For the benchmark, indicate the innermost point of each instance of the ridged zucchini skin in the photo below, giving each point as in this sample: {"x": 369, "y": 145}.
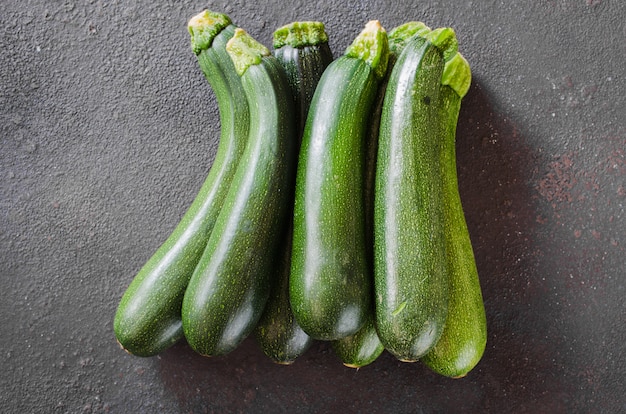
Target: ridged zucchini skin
{"x": 148, "y": 318}
{"x": 230, "y": 286}
{"x": 411, "y": 281}
{"x": 330, "y": 283}
{"x": 277, "y": 332}
{"x": 464, "y": 337}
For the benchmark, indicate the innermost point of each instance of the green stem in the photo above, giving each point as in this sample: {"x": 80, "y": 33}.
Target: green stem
{"x": 300, "y": 34}
{"x": 399, "y": 36}
{"x": 245, "y": 51}
{"x": 203, "y": 28}
{"x": 456, "y": 73}
{"x": 372, "y": 46}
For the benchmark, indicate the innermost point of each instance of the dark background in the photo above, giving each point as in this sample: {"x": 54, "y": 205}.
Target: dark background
{"x": 108, "y": 129}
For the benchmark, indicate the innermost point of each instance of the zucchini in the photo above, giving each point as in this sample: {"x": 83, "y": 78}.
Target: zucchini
{"x": 364, "y": 347}
{"x": 464, "y": 337}
{"x": 230, "y": 286}
{"x": 330, "y": 283}
{"x": 302, "y": 49}
{"x": 410, "y": 273}
{"x": 148, "y": 318}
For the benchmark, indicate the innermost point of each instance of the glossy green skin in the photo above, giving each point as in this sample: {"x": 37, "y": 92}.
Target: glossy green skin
{"x": 148, "y": 318}
{"x": 464, "y": 338}
{"x": 230, "y": 286}
{"x": 278, "y": 333}
{"x": 330, "y": 284}
{"x": 360, "y": 349}
{"x": 304, "y": 67}
{"x": 410, "y": 274}
{"x": 364, "y": 347}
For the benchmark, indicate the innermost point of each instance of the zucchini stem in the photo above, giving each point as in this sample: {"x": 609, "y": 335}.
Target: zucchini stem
{"x": 203, "y": 28}
{"x": 371, "y": 46}
{"x": 245, "y": 51}
{"x": 456, "y": 73}
{"x": 300, "y": 34}
{"x": 399, "y": 36}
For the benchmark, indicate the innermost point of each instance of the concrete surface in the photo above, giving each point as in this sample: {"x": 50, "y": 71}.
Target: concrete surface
{"x": 108, "y": 129}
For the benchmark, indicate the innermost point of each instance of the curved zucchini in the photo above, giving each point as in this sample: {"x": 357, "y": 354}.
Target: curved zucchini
{"x": 302, "y": 49}
{"x": 464, "y": 337}
{"x": 230, "y": 286}
{"x": 330, "y": 283}
{"x": 410, "y": 273}
{"x": 148, "y": 318}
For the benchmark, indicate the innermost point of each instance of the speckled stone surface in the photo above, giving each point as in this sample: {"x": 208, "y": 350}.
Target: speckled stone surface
{"x": 108, "y": 128}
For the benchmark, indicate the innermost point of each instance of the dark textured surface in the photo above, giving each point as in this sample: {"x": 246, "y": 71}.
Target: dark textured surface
{"x": 108, "y": 129}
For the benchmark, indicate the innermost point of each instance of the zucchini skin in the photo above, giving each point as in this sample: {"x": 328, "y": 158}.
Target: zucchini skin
{"x": 360, "y": 349}
{"x": 364, "y": 347}
{"x": 330, "y": 284}
{"x": 278, "y": 333}
{"x": 230, "y": 286}
{"x": 410, "y": 274}
{"x": 304, "y": 67}
{"x": 148, "y": 317}
{"x": 464, "y": 338}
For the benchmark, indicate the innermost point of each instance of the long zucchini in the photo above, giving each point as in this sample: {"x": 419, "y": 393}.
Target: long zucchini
{"x": 148, "y": 318}
{"x": 330, "y": 284}
{"x": 363, "y": 347}
{"x": 302, "y": 49}
{"x": 464, "y": 337}
{"x": 230, "y": 286}
{"x": 410, "y": 273}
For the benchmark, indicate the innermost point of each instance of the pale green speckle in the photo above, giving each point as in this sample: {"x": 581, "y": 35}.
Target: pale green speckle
{"x": 399, "y": 309}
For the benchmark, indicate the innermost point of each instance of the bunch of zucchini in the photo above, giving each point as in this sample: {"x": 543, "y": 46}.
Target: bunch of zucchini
{"x": 331, "y": 211}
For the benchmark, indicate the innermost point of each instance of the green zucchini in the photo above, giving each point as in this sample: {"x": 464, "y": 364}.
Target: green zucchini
{"x": 464, "y": 337}
{"x": 330, "y": 282}
{"x": 302, "y": 49}
{"x": 364, "y": 347}
{"x": 230, "y": 286}
{"x": 410, "y": 275}
{"x": 148, "y": 318}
